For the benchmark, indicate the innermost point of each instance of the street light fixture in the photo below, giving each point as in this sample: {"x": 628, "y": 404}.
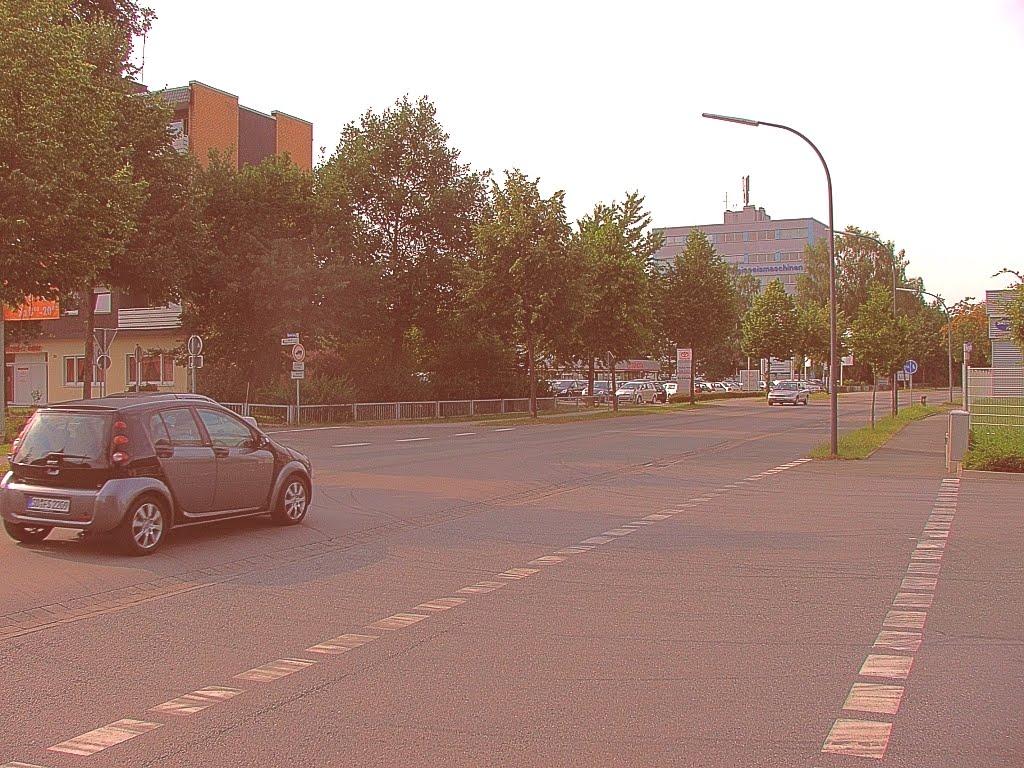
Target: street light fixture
{"x": 892, "y": 255}
{"x": 949, "y": 332}
{"x": 833, "y": 359}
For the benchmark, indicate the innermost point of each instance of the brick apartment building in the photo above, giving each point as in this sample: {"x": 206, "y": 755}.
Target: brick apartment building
{"x": 50, "y": 368}
{"x": 754, "y": 243}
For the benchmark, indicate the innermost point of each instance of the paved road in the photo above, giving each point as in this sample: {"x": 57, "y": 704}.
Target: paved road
{"x": 678, "y": 589}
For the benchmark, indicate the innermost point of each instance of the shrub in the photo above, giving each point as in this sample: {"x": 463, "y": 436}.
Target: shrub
{"x": 997, "y": 450}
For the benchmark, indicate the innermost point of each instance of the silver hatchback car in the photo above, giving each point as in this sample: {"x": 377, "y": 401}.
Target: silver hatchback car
{"x": 138, "y": 466}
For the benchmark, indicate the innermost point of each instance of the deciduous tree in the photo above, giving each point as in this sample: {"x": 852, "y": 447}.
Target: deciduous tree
{"x": 523, "y": 268}
{"x": 878, "y": 339}
{"x": 700, "y": 304}
{"x": 771, "y": 327}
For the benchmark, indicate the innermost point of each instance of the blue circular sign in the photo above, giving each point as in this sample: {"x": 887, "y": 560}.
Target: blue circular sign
{"x": 910, "y": 367}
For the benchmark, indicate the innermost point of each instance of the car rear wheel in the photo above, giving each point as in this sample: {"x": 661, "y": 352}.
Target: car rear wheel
{"x": 292, "y": 503}
{"x": 27, "y": 533}
{"x": 144, "y": 527}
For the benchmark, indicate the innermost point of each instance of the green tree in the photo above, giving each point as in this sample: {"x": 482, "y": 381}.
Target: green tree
{"x": 878, "y": 339}
{"x": 700, "y": 304}
{"x": 969, "y": 322}
{"x": 813, "y": 338}
{"x": 771, "y": 328}
{"x": 522, "y": 267}
{"x": 255, "y": 281}
{"x": 611, "y": 250}
{"x": 396, "y": 212}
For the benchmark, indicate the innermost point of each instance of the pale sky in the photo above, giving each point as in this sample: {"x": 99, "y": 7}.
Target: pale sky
{"x": 916, "y": 106}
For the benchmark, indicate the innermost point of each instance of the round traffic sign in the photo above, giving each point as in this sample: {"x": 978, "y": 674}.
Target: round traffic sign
{"x": 103, "y": 361}
{"x": 910, "y": 367}
{"x": 298, "y": 353}
{"x": 195, "y": 345}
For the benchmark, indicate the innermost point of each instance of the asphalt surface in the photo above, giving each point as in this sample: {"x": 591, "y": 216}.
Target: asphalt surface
{"x": 679, "y": 589}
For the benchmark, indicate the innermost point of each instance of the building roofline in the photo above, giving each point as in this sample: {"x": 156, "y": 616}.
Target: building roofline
{"x": 256, "y": 111}
{"x": 276, "y": 112}
{"x": 723, "y": 224}
{"x": 210, "y": 87}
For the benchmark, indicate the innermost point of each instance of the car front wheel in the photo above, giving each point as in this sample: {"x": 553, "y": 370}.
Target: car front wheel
{"x": 292, "y": 503}
{"x": 27, "y": 533}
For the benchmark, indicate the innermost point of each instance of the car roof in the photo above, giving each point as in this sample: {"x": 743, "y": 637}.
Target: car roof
{"x": 123, "y": 400}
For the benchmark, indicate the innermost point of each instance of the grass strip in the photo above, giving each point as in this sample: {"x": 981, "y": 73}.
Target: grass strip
{"x": 861, "y": 443}
{"x": 996, "y": 450}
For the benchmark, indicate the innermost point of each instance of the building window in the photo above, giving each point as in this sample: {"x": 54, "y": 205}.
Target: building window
{"x": 764, "y": 234}
{"x": 102, "y": 299}
{"x": 791, "y": 234}
{"x": 157, "y": 369}
{"x": 74, "y": 371}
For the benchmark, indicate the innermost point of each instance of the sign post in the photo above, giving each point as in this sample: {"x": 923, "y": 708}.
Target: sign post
{"x": 684, "y": 370}
{"x": 195, "y": 359}
{"x": 910, "y": 368}
{"x": 298, "y": 369}
{"x": 968, "y": 348}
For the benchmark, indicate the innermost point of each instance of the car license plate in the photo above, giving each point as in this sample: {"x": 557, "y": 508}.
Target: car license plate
{"x": 46, "y": 504}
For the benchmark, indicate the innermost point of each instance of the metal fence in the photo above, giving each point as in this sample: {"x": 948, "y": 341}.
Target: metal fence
{"x": 995, "y": 397}
{"x": 430, "y": 409}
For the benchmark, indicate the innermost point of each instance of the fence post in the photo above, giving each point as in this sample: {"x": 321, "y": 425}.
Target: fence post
{"x": 471, "y": 404}
{"x": 398, "y": 411}
{"x": 437, "y": 409}
{"x": 355, "y": 411}
{"x": 502, "y": 405}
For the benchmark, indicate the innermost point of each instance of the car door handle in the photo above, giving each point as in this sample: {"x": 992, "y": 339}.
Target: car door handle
{"x": 220, "y": 451}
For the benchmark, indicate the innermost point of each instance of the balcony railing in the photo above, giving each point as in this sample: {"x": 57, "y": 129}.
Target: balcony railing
{"x": 149, "y": 318}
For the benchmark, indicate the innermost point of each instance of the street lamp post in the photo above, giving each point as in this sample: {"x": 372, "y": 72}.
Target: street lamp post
{"x": 833, "y": 337}
{"x": 949, "y": 333}
{"x": 892, "y": 255}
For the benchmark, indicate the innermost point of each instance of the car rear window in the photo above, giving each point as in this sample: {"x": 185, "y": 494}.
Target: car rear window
{"x": 76, "y": 437}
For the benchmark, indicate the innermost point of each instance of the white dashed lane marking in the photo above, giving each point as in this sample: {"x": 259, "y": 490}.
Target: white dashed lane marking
{"x": 411, "y": 439}
{"x": 874, "y": 697}
{"x": 351, "y": 445}
{"x": 197, "y": 701}
{"x": 880, "y": 665}
{"x": 547, "y": 560}
{"x": 464, "y": 434}
{"x": 504, "y": 429}
{"x": 905, "y": 619}
{"x": 108, "y": 736}
{"x": 483, "y": 587}
{"x": 398, "y": 621}
{"x": 342, "y": 644}
{"x": 898, "y": 641}
{"x": 275, "y": 670}
{"x": 441, "y": 604}
{"x": 858, "y": 738}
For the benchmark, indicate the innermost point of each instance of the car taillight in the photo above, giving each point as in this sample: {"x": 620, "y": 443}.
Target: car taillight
{"x": 119, "y": 444}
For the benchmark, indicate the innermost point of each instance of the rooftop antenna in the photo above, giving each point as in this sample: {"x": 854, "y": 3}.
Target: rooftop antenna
{"x": 727, "y": 201}
{"x": 746, "y": 191}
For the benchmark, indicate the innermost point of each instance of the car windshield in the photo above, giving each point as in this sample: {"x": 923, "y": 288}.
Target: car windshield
{"x": 71, "y": 434}
{"x": 789, "y": 385}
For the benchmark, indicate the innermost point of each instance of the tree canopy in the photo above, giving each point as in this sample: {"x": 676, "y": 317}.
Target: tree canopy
{"x": 700, "y": 303}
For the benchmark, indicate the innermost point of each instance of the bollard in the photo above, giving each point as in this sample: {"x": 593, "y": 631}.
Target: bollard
{"x": 957, "y": 438}
{"x": 924, "y": 399}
